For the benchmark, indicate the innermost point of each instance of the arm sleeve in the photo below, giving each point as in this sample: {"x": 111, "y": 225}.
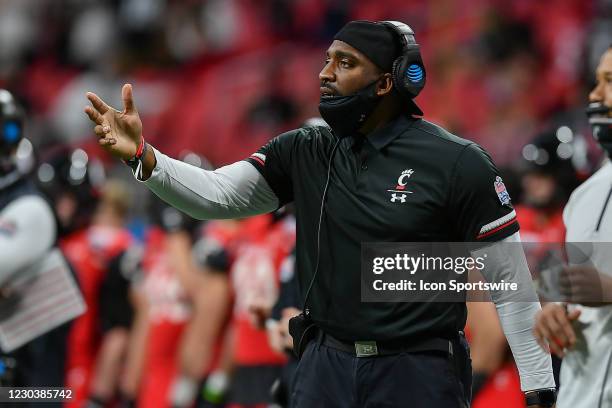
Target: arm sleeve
{"x": 480, "y": 205}
{"x": 234, "y": 191}
{"x": 27, "y": 232}
{"x": 517, "y": 311}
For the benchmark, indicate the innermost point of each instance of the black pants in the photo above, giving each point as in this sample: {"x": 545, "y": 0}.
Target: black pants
{"x": 251, "y": 385}
{"x": 329, "y": 378}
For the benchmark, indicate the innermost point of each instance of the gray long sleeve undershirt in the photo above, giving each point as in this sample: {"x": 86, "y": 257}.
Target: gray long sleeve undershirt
{"x": 517, "y": 311}
{"x": 239, "y": 190}
{"x": 234, "y": 191}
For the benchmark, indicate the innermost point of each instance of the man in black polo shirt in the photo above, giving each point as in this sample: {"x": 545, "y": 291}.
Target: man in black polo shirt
{"x": 378, "y": 174}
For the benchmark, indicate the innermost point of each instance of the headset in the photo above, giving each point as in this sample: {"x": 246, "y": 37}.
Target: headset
{"x": 408, "y": 71}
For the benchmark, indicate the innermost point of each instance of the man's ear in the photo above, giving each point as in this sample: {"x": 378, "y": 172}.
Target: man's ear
{"x": 385, "y": 85}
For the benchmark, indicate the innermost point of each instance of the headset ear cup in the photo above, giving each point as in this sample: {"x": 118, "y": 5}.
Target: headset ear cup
{"x": 408, "y": 76}
{"x": 413, "y": 72}
{"x": 408, "y": 70}
{"x": 398, "y": 77}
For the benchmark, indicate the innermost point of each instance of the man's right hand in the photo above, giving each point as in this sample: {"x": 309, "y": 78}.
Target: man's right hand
{"x": 553, "y": 328}
{"x": 119, "y": 132}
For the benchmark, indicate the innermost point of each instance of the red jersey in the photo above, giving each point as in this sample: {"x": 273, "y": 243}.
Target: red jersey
{"x": 169, "y": 310}
{"x": 255, "y": 277}
{"x": 216, "y": 249}
{"x": 503, "y": 389}
{"x": 222, "y": 235}
{"x": 89, "y": 251}
{"x": 543, "y": 236}
{"x": 539, "y": 226}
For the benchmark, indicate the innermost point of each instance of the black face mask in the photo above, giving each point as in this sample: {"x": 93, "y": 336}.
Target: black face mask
{"x": 346, "y": 114}
{"x": 601, "y": 122}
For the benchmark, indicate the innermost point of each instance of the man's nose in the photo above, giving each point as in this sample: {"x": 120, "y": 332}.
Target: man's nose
{"x": 596, "y": 94}
{"x": 327, "y": 73}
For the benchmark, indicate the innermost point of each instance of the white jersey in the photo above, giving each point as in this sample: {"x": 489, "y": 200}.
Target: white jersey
{"x": 27, "y": 232}
{"x": 586, "y": 371}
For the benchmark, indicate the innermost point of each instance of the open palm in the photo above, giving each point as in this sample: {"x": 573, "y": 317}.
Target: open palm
{"x": 119, "y": 132}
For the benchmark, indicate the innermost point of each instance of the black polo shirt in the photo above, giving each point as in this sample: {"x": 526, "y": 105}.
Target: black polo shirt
{"x": 409, "y": 181}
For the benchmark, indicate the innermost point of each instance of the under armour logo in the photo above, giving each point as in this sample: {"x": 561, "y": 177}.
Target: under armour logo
{"x": 400, "y": 197}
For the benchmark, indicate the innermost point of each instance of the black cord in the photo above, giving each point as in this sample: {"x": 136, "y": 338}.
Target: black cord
{"x": 603, "y": 384}
{"x": 603, "y": 210}
{"x": 314, "y": 276}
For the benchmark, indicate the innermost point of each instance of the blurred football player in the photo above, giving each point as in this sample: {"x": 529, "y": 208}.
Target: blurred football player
{"x": 580, "y": 331}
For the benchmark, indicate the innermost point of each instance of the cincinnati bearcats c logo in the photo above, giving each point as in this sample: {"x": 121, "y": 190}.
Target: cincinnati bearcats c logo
{"x": 400, "y": 192}
{"x": 405, "y": 175}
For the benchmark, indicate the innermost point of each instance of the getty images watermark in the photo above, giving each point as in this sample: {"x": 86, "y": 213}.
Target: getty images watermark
{"x": 434, "y": 264}
{"x": 458, "y": 272}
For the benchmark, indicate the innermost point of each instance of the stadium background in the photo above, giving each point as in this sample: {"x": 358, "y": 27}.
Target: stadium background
{"x": 220, "y": 77}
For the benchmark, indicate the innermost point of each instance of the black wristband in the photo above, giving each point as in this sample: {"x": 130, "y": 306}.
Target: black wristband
{"x": 545, "y": 398}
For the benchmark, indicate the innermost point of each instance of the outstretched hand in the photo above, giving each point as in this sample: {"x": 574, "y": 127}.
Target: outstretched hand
{"x": 119, "y": 132}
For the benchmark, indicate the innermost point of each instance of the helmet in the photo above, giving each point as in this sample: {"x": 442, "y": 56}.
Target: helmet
{"x": 71, "y": 180}
{"x": 11, "y": 134}
{"x": 553, "y": 154}
{"x": 12, "y": 119}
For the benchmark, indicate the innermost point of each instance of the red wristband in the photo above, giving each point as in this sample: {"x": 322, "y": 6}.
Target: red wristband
{"x": 140, "y": 149}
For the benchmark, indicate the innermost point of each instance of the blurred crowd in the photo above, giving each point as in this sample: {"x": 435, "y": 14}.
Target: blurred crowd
{"x": 180, "y": 311}
{"x": 219, "y": 77}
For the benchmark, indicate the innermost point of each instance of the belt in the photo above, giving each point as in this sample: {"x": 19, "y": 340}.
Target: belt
{"x": 385, "y": 348}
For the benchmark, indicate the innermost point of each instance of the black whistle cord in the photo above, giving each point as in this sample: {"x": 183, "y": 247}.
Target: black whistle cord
{"x": 603, "y": 210}
{"x": 314, "y": 276}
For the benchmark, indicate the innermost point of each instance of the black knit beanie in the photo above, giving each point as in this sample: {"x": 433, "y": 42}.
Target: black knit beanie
{"x": 374, "y": 40}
